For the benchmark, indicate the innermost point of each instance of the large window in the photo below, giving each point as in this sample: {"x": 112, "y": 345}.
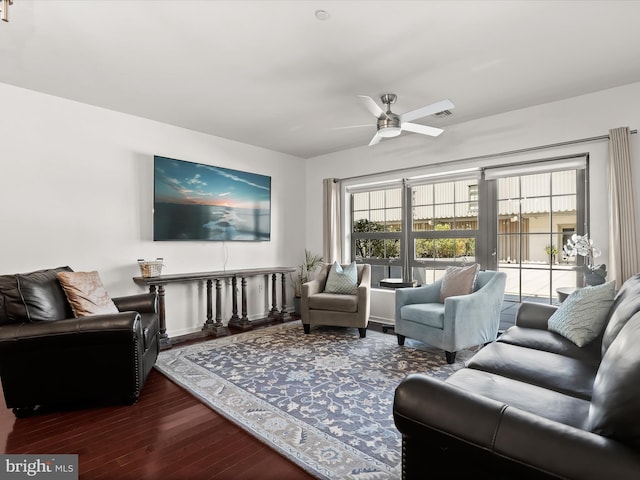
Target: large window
{"x": 376, "y": 231}
{"x": 444, "y": 226}
{"x": 514, "y": 219}
{"x": 414, "y": 230}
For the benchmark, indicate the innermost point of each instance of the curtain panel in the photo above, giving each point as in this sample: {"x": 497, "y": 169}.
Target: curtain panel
{"x": 623, "y": 250}
{"x": 332, "y": 221}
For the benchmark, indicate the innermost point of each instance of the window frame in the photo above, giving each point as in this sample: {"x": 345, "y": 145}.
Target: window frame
{"x": 485, "y": 196}
{"x": 441, "y": 264}
{"x": 383, "y": 235}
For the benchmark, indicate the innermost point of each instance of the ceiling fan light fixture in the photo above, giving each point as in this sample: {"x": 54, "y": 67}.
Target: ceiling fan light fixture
{"x": 391, "y": 125}
{"x": 388, "y": 132}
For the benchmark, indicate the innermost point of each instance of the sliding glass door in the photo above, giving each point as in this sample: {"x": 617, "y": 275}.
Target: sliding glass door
{"x": 536, "y": 212}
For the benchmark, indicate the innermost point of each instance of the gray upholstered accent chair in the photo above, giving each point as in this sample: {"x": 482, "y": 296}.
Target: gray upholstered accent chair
{"x": 319, "y": 308}
{"x": 460, "y": 322}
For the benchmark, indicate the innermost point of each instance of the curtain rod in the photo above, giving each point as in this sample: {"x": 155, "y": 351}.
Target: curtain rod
{"x": 490, "y": 155}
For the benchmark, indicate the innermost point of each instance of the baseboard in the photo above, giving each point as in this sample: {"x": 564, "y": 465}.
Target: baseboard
{"x": 381, "y": 320}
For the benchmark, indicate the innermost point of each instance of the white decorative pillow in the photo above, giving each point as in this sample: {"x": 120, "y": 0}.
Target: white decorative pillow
{"x": 86, "y": 293}
{"x": 458, "y": 281}
{"x": 342, "y": 280}
{"x": 581, "y": 317}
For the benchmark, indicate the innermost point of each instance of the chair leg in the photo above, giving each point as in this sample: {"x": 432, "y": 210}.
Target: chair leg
{"x": 400, "y": 339}
{"x": 451, "y": 356}
{"x": 363, "y": 332}
{"x": 25, "y": 412}
{"x": 307, "y": 327}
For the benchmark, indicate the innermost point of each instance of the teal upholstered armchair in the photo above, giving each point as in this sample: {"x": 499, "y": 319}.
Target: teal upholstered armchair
{"x": 460, "y": 322}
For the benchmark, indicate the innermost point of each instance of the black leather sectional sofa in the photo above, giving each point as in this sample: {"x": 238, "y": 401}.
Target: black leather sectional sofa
{"x": 50, "y": 360}
{"x": 532, "y": 404}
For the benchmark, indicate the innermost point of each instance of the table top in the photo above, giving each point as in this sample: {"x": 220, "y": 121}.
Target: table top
{"x": 566, "y": 290}
{"x": 396, "y": 283}
{"x": 193, "y": 276}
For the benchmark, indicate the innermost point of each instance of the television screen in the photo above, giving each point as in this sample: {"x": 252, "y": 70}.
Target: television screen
{"x": 193, "y": 201}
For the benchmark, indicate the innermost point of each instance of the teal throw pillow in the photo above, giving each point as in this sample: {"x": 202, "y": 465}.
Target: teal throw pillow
{"x": 342, "y": 280}
{"x": 581, "y": 317}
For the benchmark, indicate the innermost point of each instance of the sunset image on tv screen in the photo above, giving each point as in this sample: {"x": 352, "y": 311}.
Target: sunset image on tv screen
{"x": 194, "y": 201}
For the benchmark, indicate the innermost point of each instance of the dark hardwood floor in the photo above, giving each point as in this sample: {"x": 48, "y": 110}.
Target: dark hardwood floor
{"x": 168, "y": 434}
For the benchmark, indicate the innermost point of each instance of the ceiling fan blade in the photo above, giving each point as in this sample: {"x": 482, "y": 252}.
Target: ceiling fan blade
{"x": 372, "y": 106}
{"x": 423, "y": 129}
{"x": 428, "y": 110}
{"x": 376, "y": 139}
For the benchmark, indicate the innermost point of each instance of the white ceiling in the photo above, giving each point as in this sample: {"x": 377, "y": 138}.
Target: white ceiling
{"x": 269, "y": 73}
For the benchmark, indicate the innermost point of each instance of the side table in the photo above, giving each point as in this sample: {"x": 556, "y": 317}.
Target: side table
{"x": 564, "y": 292}
{"x": 394, "y": 283}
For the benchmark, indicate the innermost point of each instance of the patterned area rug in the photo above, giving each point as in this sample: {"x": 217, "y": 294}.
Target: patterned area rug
{"x": 323, "y": 400}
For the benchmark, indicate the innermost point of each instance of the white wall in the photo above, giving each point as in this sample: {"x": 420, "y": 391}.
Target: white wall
{"x": 579, "y": 117}
{"x": 76, "y": 187}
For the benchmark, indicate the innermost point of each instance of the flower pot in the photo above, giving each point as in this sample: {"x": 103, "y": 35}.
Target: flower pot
{"x": 297, "y": 302}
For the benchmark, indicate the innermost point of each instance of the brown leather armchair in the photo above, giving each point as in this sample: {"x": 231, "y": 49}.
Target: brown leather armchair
{"x": 50, "y": 359}
{"x": 320, "y": 308}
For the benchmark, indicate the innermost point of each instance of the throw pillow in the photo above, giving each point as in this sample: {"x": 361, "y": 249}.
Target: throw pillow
{"x": 458, "y": 281}
{"x": 342, "y": 280}
{"x": 86, "y": 293}
{"x": 581, "y": 317}
{"x": 40, "y": 297}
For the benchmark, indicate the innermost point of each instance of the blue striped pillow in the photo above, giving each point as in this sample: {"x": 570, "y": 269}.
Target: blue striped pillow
{"x": 342, "y": 280}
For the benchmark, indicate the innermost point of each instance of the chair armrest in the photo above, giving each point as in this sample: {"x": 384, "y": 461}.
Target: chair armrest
{"x": 475, "y": 316}
{"x": 97, "y": 358}
{"x": 311, "y": 288}
{"x": 72, "y": 327}
{"x": 411, "y": 295}
{"x": 425, "y": 407}
{"x": 534, "y": 315}
{"x": 364, "y": 294}
{"x": 425, "y": 294}
{"x": 142, "y": 303}
{"x": 422, "y": 402}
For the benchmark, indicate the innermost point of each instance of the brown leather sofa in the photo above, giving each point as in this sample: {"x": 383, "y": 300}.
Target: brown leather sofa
{"x": 48, "y": 359}
{"x": 532, "y": 404}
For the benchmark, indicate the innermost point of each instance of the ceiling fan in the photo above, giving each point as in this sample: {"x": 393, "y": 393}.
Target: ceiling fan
{"x": 391, "y": 125}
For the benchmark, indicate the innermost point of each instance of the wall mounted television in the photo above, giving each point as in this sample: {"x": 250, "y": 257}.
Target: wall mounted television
{"x": 194, "y": 201}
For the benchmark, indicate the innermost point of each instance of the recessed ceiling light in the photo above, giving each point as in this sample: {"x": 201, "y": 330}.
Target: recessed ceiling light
{"x": 322, "y": 14}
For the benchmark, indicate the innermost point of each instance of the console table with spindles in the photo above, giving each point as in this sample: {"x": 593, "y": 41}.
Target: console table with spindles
{"x": 214, "y": 326}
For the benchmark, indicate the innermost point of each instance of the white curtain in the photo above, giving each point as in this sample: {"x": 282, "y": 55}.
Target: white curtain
{"x": 332, "y": 223}
{"x": 623, "y": 253}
